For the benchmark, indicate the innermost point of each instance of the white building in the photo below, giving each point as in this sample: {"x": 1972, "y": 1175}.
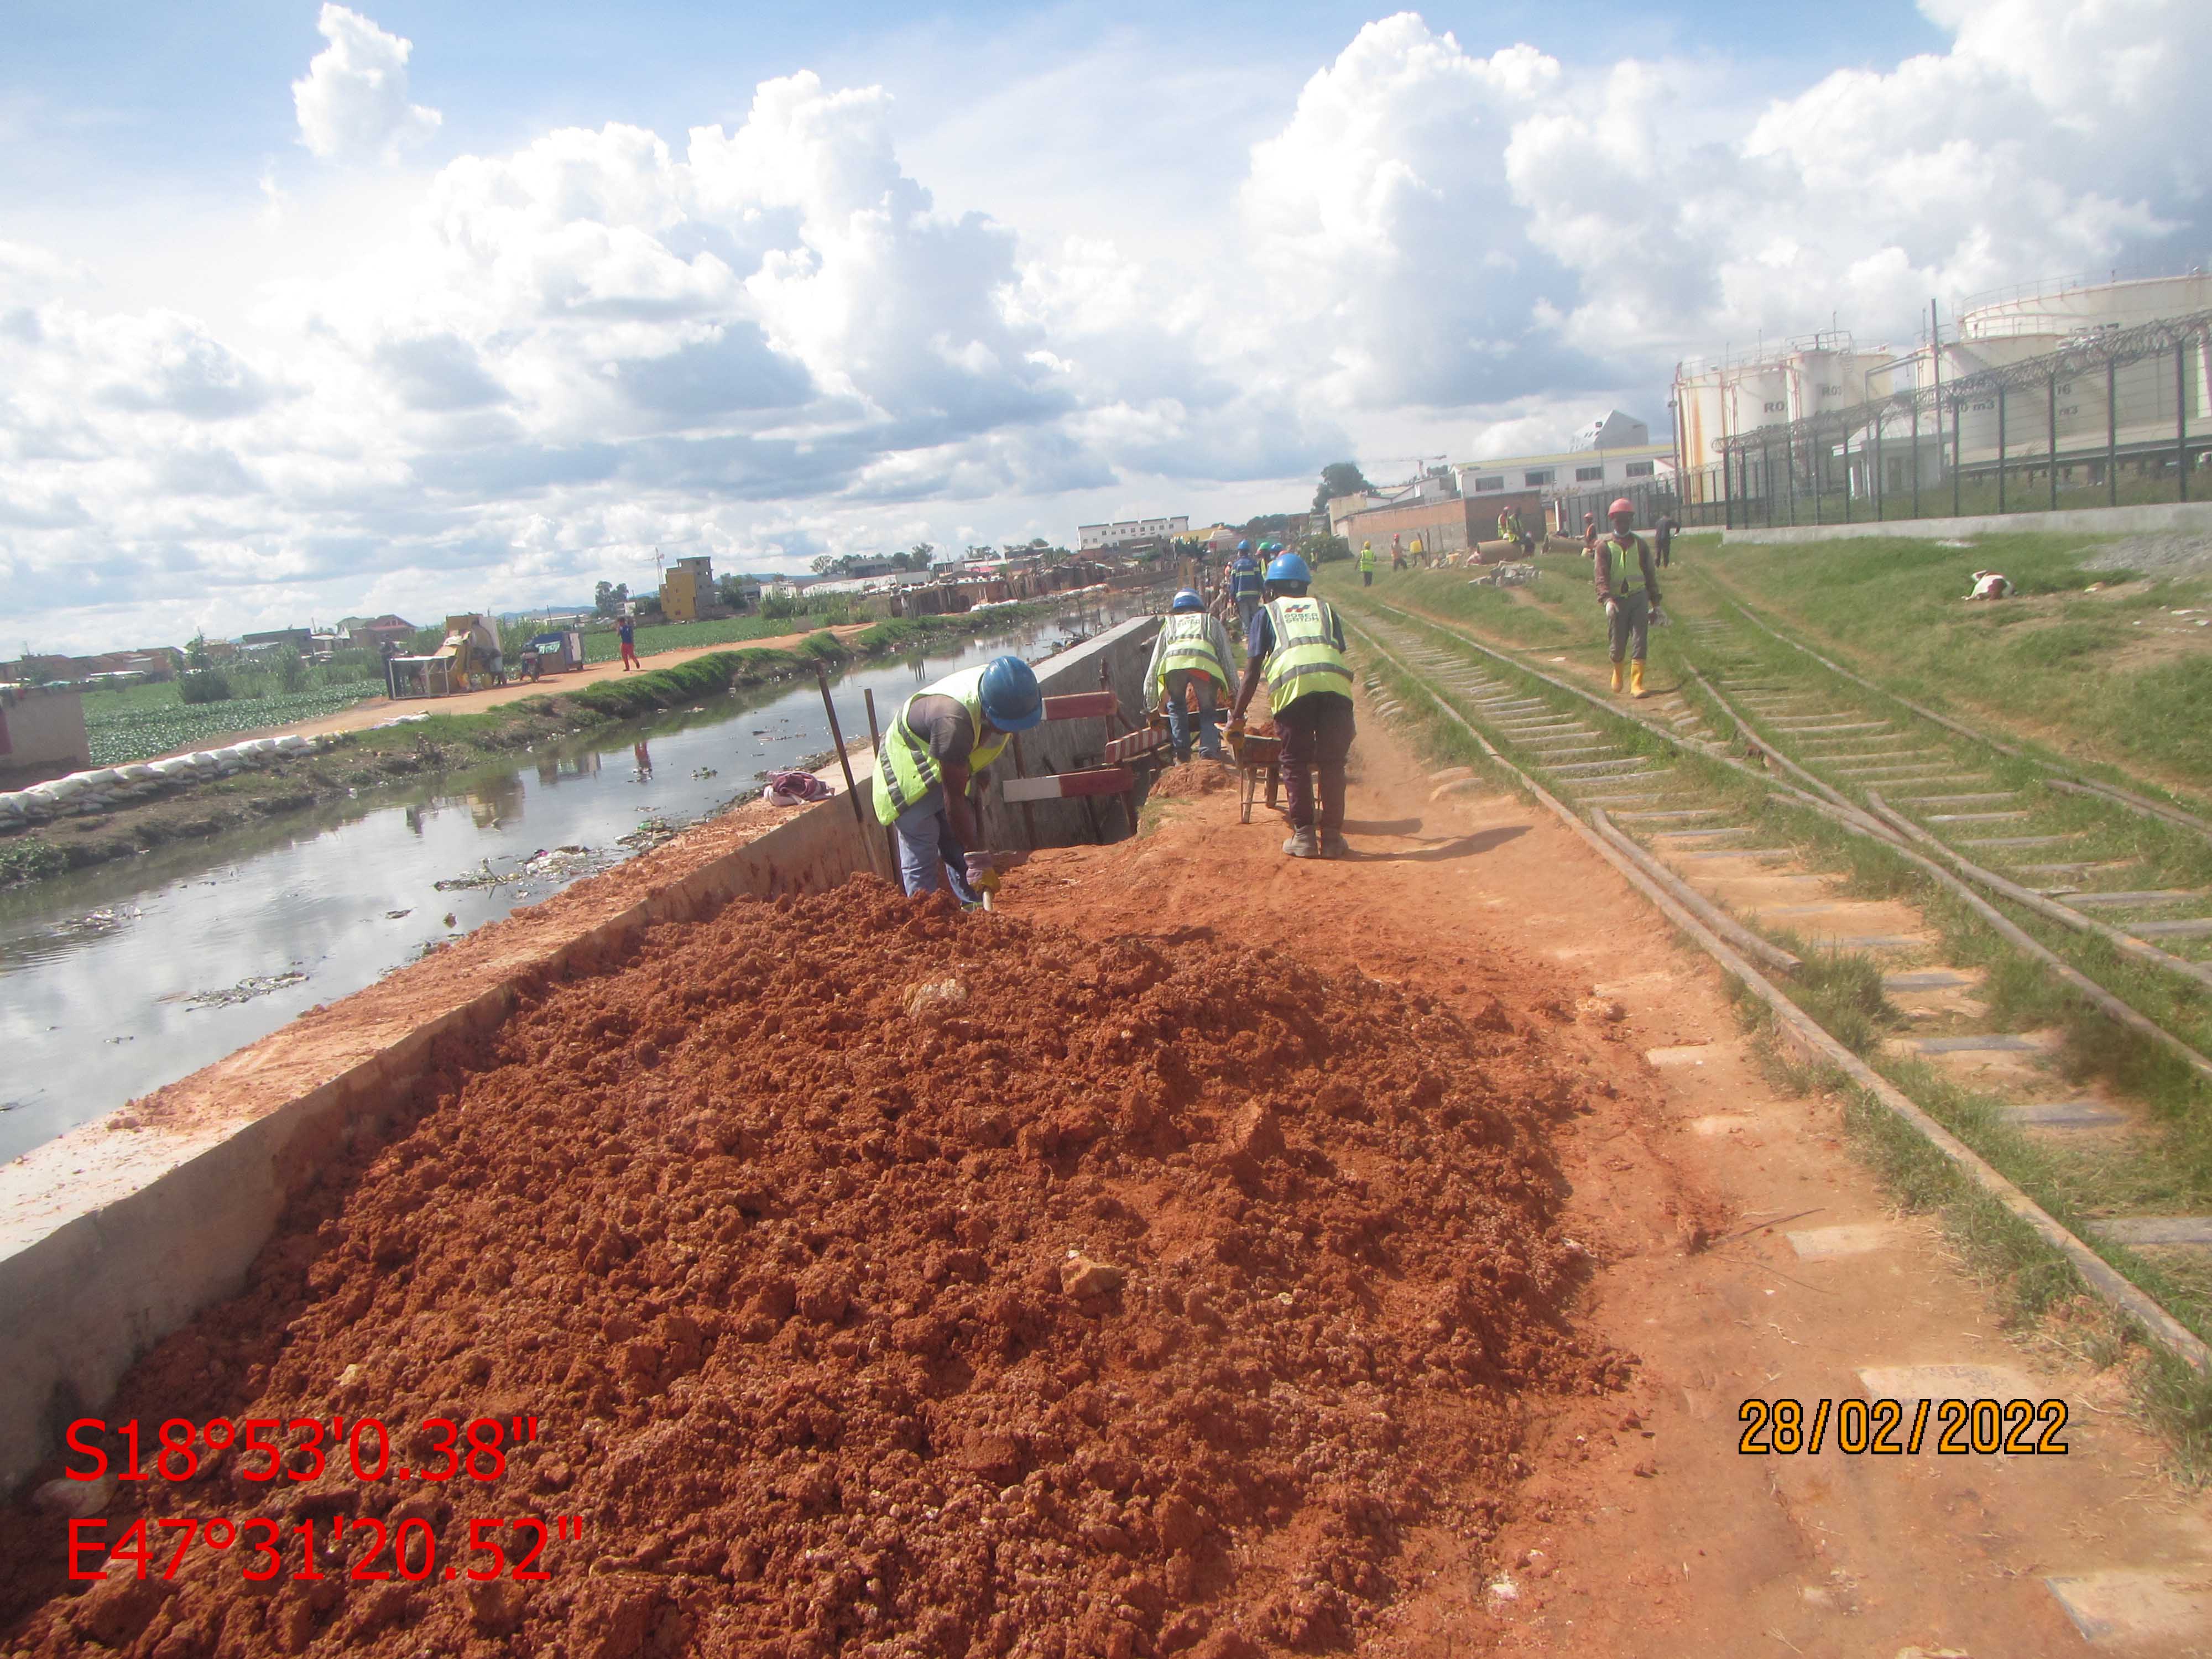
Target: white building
{"x": 1094, "y": 537}
{"x": 1614, "y": 452}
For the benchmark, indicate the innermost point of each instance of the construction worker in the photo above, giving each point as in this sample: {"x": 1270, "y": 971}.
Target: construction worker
{"x": 1190, "y": 653}
{"x": 932, "y": 764}
{"x": 1397, "y": 552}
{"x": 1417, "y": 553}
{"x": 1630, "y": 592}
{"x": 1366, "y": 567}
{"x": 1663, "y": 539}
{"x": 1297, "y": 649}
{"x": 1244, "y": 583}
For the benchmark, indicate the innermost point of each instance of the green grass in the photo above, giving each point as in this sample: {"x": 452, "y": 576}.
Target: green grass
{"x": 1559, "y": 612}
{"x": 2058, "y": 660}
{"x": 605, "y": 646}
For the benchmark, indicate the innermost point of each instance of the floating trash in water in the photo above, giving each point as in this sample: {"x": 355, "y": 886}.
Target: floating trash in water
{"x": 93, "y": 923}
{"x": 484, "y": 878}
{"x": 257, "y": 985}
{"x": 705, "y": 772}
{"x": 398, "y": 915}
{"x": 650, "y": 834}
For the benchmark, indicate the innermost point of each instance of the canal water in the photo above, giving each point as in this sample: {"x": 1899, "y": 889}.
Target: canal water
{"x": 117, "y": 979}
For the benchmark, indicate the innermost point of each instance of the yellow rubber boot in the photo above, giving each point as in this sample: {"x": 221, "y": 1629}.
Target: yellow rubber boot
{"x": 1636, "y": 677}
{"x": 1616, "y": 677}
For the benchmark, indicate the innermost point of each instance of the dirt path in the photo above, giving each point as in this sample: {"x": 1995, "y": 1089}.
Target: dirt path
{"x": 1642, "y": 1529}
{"x": 375, "y": 710}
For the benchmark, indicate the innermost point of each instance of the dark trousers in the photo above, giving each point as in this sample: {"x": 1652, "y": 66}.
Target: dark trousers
{"x": 1367, "y": 579}
{"x": 1316, "y": 731}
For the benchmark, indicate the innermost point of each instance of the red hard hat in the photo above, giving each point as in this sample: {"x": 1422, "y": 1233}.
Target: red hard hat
{"x": 1623, "y": 505}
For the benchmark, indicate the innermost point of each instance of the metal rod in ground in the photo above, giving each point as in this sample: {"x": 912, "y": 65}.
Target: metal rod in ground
{"x": 1696, "y": 902}
{"x": 876, "y": 748}
{"x": 2102, "y": 1279}
{"x": 852, "y": 790}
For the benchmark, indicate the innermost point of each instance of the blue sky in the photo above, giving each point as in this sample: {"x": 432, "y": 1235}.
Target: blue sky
{"x": 309, "y": 310}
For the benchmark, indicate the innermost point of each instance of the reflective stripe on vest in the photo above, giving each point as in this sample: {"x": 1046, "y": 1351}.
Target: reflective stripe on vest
{"x": 1626, "y": 567}
{"x": 1187, "y": 646}
{"x": 1366, "y": 558}
{"x": 1305, "y": 659}
{"x": 905, "y": 769}
{"x": 1243, "y": 580}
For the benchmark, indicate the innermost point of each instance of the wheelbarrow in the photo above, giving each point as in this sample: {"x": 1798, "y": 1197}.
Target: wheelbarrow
{"x": 1258, "y": 760}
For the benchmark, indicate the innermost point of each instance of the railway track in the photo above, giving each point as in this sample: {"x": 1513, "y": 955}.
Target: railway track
{"x": 2040, "y": 951}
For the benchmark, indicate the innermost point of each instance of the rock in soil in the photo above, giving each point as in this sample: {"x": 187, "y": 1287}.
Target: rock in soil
{"x": 1137, "y": 1301}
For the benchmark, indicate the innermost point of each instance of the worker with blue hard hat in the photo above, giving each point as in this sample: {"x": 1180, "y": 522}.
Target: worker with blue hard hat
{"x": 1244, "y": 582}
{"x": 1297, "y": 649}
{"x": 1191, "y": 654}
{"x": 931, "y": 766}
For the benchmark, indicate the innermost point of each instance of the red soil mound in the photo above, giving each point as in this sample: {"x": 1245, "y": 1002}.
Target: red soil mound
{"x": 889, "y": 1281}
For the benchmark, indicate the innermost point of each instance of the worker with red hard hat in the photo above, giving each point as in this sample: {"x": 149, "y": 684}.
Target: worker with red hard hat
{"x": 1626, "y": 584}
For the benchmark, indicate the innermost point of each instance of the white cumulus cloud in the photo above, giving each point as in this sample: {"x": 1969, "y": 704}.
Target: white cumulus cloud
{"x": 353, "y": 101}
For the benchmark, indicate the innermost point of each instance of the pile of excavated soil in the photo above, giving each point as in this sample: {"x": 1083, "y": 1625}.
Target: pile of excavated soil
{"x": 894, "y": 1281}
{"x": 1192, "y": 777}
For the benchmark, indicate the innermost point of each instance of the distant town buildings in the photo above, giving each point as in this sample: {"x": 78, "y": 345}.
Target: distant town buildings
{"x": 1613, "y": 453}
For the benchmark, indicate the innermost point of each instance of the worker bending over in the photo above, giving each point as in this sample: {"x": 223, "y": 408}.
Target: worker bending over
{"x": 1245, "y": 584}
{"x": 931, "y": 768}
{"x": 1297, "y": 647}
{"x": 1624, "y": 582}
{"x": 1191, "y": 652}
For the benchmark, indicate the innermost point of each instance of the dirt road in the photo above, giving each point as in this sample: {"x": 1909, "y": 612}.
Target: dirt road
{"x": 374, "y": 710}
{"x": 1746, "y": 1254}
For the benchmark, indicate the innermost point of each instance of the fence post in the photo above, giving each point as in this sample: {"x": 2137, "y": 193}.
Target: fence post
{"x": 1728, "y": 499}
{"x": 1916, "y": 453}
{"x": 1789, "y": 466}
{"x": 1880, "y": 481}
{"x": 1818, "y": 450}
{"x": 2001, "y": 449}
{"x": 2181, "y": 420}
{"x": 1957, "y": 454}
{"x": 2052, "y": 408}
{"x": 2112, "y": 432}
{"x": 1846, "y": 447}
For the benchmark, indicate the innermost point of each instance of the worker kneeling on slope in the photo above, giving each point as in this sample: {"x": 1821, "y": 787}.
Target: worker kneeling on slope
{"x": 931, "y": 769}
{"x": 1298, "y": 649}
{"x": 1191, "y": 654}
{"x": 1626, "y": 584}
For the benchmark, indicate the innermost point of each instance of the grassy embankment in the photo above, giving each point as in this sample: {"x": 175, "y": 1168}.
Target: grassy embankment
{"x": 450, "y": 743}
{"x": 2105, "y": 678}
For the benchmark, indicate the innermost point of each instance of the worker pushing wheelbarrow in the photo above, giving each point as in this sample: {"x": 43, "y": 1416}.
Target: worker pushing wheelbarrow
{"x": 1298, "y": 649}
{"x": 1191, "y": 659}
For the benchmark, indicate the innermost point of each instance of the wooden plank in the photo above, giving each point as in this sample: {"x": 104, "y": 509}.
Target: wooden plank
{"x": 1136, "y": 743}
{"x": 1082, "y": 706}
{"x": 1072, "y": 786}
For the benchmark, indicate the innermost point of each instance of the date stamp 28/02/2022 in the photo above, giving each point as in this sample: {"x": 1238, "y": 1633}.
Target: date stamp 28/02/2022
{"x": 1889, "y": 1428}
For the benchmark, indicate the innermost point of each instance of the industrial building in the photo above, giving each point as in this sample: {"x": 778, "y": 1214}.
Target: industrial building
{"x": 2074, "y": 374}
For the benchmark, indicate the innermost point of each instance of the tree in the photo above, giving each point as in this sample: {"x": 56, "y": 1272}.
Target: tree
{"x": 731, "y": 591}
{"x": 608, "y": 598}
{"x": 919, "y": 555}
{"x": 196, "y": 654}
{"x": 824, "y": 563}
{"x": 1339, "y": 478}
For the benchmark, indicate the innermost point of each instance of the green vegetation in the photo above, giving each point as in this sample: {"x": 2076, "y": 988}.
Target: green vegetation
{"x": 1558, "y": 612}
{"x": 121, "y": 731}
{"x": 2110, "y": 675}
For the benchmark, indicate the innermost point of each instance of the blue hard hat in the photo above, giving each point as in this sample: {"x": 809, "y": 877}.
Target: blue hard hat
{"x": 1243, "y": 547}
{"x": 1187, "y": 600}
{"x": 1289, "y": 568}
{"x": 1011, "y": 699}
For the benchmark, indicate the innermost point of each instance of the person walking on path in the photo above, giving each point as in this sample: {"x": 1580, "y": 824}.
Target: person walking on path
{"x": 1366, "y": 567}
{"x": 932, "y": 763}
{"x": 626, "y": 630}
{"x": 1245, "y": 584}
{"x": 1190, "y": 653}
{"x": 1397, "y": 551}
{"x": 1298, "y": 650}
{"x": 1628, "y": 590}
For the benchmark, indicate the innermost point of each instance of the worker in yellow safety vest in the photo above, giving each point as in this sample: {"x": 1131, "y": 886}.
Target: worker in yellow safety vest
{"x": 1628, "y": 589}
{"x": 931, "y": 766}
{"x": 1190, "y": 653}
{"x": 1297, "y": 649}
{"x": 1366, "y": 564}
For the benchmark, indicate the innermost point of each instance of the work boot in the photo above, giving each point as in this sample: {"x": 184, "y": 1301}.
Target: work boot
{"x": 1616, "y": 677}
{"x": 1636, "y": 677}
{"x": 1302, "y": 844}
{"x": 1333, "y": 845}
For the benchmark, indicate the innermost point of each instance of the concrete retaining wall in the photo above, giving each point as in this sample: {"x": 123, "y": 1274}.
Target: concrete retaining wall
{"x": 2191, "y": 517}
{"x": 118, "y": 1232}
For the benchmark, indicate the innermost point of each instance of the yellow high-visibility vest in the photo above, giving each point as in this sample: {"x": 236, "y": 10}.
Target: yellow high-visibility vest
{"x": 1305, "y": 659}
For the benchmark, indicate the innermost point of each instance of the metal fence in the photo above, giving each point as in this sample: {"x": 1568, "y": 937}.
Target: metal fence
{"x": 2020, "y": 437}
